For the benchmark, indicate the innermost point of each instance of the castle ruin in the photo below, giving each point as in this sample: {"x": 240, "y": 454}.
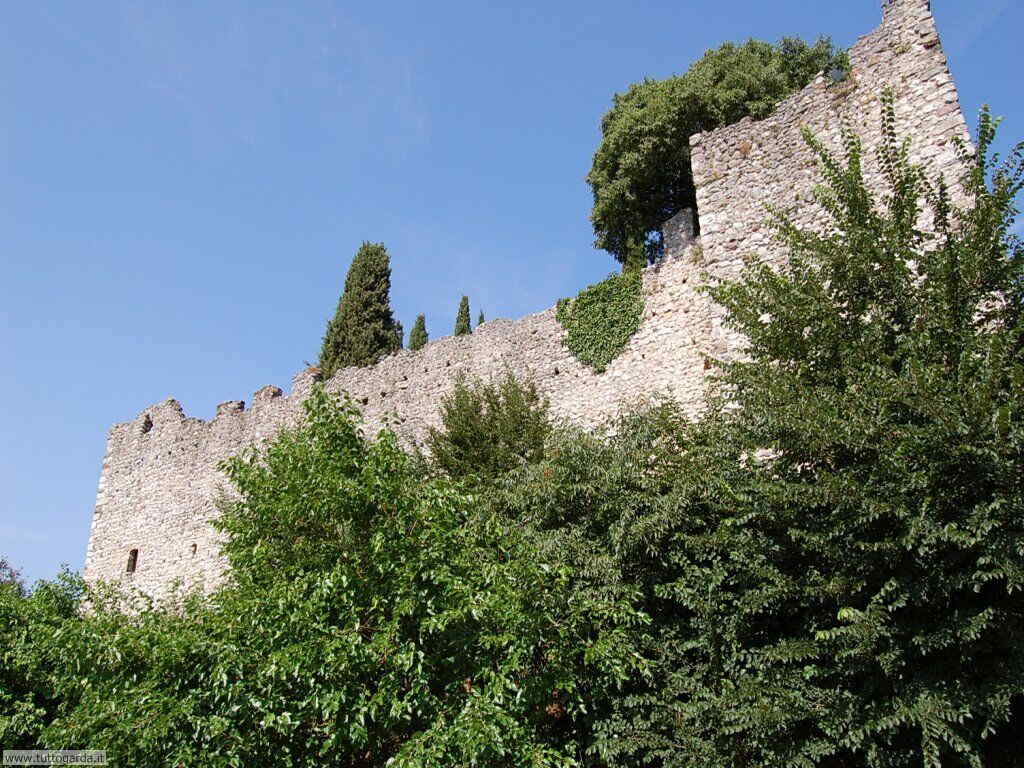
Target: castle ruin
{"x": 151, "y": 525}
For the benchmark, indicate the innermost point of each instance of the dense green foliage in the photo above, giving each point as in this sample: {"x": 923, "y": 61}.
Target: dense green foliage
{"x": 600, "y": 321}
{"x": 36, "y": 672}
{"x": 9, "y": 575}
{"x": 462, "y": 326}
{"x": 641, "y": 175}
{"x": 628, "y": 510}
{"x": 373, "y": 618}
{"x": 825, "y": 571}
{"x": 833, "y": 559}
{"x": 884, "y": 379}
{"x": 363, "y": 329}
{"x": 488, "y": 428}
{"x": 418, "y": 335}
{"x": 480, "y": 319}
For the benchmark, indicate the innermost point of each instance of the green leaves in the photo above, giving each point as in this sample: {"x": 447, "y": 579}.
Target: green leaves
{"x": 602, "y": 319}
{"x": 374, "y": 617}
{"x": 883, "y": 387}
{"x": 488, "y": 428}
{"x": 641, "y": 174}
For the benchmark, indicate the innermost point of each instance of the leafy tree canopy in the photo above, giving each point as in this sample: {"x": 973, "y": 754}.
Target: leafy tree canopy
{"x": 374, "y": 617}
{"x": 10, "y": 576}
{"x": 832, "y": 559}
{"x": 488, "y": 428}
{"x": 641, "y": 174}
{"x": 882, "y": 382}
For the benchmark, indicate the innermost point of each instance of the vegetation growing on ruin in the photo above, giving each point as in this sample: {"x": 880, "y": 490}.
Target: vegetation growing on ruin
{"x": 825, "y": 571}
{"x": 375, "y": 617}
{"x": 600, "y": 321}
{"x": 641, "y": 174}
{"x": 363, "y": 329}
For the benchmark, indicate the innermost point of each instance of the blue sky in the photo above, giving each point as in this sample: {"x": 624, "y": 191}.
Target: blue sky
{"x": 184, "y": 184}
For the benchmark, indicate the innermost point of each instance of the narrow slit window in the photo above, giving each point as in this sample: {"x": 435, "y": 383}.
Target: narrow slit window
{"x": 133, "y": 561}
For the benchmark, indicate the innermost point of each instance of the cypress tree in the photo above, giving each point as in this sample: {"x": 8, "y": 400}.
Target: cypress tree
{"x": 418, "y": 336}
{"x": 462, "y": 320}
{"x": 480, "y": 319}
{"x": 400, "y": 334}
{"x": 363, "y": 329}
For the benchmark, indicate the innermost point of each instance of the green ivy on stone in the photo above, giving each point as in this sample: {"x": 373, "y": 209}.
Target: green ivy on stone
{"x": 600, "y": 321}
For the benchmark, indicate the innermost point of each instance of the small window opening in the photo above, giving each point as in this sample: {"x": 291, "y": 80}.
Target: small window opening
{"x": 838, "y": 75}
{"x": 680, "y": 232}
{"x": 133, "y": 561}
{"x": 193, "y": 550}
{"x": 147, "y": 424}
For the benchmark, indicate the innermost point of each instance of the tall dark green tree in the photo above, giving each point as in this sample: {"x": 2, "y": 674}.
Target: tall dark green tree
{"x": 399, "y": 334}
{"x": 363, "y": 329}
{"x": 641, "y": 174}
{"x": 418, "y": 335}
{"x": 480, "y": 319}
{"x": 462, "y": 326}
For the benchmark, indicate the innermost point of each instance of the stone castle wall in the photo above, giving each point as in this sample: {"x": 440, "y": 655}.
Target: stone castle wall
{"x": 741, "y": 168}
{"x": 160, "y": 477}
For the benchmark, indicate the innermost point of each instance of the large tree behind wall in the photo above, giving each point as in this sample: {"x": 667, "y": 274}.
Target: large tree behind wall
{"x": 363, "y": 329}
{"x": 641, "y": 174}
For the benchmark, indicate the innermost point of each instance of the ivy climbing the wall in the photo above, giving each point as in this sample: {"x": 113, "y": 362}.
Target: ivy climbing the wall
{"x": 602, "y": 318}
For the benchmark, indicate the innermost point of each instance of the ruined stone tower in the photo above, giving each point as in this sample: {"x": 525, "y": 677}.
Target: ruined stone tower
{"x": 159, "y": 478}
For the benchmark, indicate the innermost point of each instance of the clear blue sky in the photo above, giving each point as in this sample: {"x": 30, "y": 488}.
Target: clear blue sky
{"x": 184, "y": 184}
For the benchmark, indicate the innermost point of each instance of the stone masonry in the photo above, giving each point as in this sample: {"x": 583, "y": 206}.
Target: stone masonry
{"x": 160, "y": 477}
